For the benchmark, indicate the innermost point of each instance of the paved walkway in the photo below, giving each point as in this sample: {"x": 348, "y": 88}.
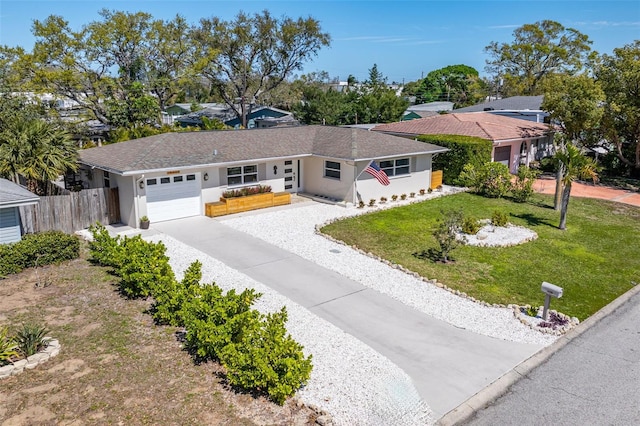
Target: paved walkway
{"x": 547, "y": 185}
{"x": 593, "y": 379}
{"x": 447, "y": 364}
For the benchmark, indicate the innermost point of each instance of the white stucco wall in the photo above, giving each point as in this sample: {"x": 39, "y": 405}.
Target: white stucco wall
{"x": 420, "y": 178}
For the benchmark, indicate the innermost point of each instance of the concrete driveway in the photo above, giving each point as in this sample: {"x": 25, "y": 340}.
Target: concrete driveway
{"x": 447, "y": 364}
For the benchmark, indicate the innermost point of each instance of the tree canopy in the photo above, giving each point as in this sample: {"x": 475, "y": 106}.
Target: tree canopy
{"x": 619, "y": 76}
{"x": 537, "y": 51}
{"x": 253, "y": 54}
{"x": 459, "y": 84}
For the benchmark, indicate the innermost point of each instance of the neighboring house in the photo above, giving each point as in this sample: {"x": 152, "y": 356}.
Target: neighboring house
{"x": 226, "y": 115}
{"x": 515, "y": 141}
{"x": 12, "y": 196}
{"x": 172, "y": 175}
{"x": 524, "y": 107}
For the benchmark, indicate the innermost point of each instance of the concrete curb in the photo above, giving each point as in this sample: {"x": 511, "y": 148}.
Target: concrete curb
{"x": 495, "y": 390}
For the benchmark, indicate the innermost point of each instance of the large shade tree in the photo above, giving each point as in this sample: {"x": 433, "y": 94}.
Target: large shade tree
{"x": 253, "y": 54}
{"x": 104, "y": 59}
{"x": 459, "y": 84}
{"x": 537, "y": 51}
{"x": 619, "y": 75}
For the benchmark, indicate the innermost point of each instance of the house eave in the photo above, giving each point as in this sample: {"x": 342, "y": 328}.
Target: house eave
{"x": 29, "y": 202}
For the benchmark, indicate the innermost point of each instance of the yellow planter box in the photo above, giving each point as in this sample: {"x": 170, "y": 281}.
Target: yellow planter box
{"x": 436, "y": 179}
{"x": 281, "y": 198}
{"x": 215, "y": 209}
{"x": 246, "y": 203}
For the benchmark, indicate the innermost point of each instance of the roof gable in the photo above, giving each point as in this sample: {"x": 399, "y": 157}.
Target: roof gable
{"x": 197, "y": 149}
{"x": 12, "y": 194}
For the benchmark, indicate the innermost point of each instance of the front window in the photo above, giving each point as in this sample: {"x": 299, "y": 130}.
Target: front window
{"x": 242, "y": 175}
{"x": 332, "y": 169}
{"x": 395, "y": 167}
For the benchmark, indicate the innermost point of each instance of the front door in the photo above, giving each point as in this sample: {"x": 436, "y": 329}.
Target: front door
{"x": 292, "y": 176}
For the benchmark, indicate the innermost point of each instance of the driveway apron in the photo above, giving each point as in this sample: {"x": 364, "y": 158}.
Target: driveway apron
{"x": 447, "y": 364}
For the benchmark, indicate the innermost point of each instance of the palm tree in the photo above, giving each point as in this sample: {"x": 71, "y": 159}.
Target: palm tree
{"x": 38, "y": 150}
{"x": 575, "y": 165}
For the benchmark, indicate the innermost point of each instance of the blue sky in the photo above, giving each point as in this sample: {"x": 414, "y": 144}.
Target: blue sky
{"x": 406, "y": 39}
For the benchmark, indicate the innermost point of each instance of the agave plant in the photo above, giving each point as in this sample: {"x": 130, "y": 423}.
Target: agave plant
{"x": 8, "y": 347}
{"x": 30, "y": 338}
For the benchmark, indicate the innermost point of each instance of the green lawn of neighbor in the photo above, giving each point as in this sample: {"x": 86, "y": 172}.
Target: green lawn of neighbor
{"x": 595, "y": 260}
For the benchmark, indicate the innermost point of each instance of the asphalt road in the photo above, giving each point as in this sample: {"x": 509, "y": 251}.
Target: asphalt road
{"x": 592, "y": 380}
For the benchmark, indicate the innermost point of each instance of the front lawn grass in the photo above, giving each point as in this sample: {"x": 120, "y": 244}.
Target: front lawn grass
{"x": 595, "y": 260}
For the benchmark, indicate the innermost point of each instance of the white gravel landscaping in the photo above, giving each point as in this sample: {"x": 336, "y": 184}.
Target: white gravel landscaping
{"x": 351, "y": 381}
{"x": 293, "y": 229}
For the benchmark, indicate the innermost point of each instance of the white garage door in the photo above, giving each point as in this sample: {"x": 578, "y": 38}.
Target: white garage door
{"x": 173, "y": 197}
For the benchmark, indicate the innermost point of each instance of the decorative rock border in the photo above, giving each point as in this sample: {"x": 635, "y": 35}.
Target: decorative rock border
{"x": 52, "y": 349}
{"x": 527, "y": 320}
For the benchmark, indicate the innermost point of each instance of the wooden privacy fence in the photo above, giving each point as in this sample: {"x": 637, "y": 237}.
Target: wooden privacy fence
{"x": 72, "y": 212}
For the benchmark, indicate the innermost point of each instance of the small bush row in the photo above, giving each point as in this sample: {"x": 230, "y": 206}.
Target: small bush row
{"x": 29, "y": 339}
{"x": 493, "y": 180}
{"x": 243, "y": 192}
{"x": 38, "y": 249}
{"x": 254, "y": 348}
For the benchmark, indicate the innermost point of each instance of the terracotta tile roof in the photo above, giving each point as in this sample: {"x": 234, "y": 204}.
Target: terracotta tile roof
{"x": 193, "y": 149}
{"x": 479, "y": 124}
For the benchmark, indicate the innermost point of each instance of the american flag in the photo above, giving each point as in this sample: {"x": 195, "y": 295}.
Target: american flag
{"x": 374, "y": 170}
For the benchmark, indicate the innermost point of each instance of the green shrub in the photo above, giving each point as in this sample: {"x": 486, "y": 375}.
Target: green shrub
{"x": 498, "y": 218}
{"x": 267, "y": 358}
{"x": 169, "y": 299}
{"x": 142, "y": 266}
{"x": 445, "y": 233}
{"x": 8, "y": 347}
{"x": 492, "y": 179}
{"x": 39, "y": 249}
{"x": 30, "y": 338}
{"x": 470, "y": 225}
{"x": 522, "y": 186}
{"x": 462, "y": 150}
{"x": 104, "y": 249}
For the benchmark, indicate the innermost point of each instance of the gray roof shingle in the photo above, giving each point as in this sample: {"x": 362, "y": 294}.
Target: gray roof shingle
{"x": 12, "y": 194}
{"x": 514, "y": 103}
{"x": 192, "y": 149}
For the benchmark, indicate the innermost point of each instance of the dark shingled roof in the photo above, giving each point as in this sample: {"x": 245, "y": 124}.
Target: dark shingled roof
{"x": 12, "y": 194}
{"x": 191, "y": 149}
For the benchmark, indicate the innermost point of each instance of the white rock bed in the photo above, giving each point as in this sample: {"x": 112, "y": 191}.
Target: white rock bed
{"x": 294, "y": 230}
{"x": 499, "y": 236}
{"x": 351, "y": 381}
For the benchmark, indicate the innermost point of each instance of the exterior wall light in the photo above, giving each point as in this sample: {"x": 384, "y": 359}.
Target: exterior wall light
{"x": 275, "y": 170}
{"x": 141, "y": 184}
{"x": 206, "y": 176}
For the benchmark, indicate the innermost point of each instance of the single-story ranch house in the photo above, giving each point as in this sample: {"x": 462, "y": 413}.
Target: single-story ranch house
{"x": 173, "y": 175}
{"x": 515, "y": 141}
{"x": 12, "y": 196}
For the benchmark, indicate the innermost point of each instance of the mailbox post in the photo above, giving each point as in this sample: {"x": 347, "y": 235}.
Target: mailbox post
{"x": 550, "y": 291}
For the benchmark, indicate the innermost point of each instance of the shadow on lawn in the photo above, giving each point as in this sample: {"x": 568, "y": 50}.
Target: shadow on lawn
{"x": 533, "y": 220}
{"x": 431, "y": 254}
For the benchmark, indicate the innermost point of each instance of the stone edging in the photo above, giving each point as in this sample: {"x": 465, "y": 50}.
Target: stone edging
{"x": 572, "y": 321}
{"x": 516, "y": 308}
{"x": 52, "y": 349}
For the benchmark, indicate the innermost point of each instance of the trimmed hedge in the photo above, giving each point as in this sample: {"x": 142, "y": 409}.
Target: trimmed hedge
{"x": 462, "y": 150}
{"x": 39, "y": 249}
{"x": 254, "y": 348}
